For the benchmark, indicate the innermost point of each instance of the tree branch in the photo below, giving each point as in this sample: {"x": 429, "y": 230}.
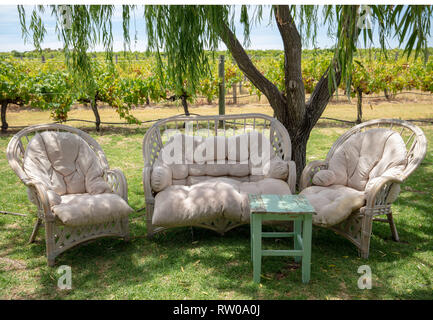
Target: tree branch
{"x": 270, "y": 90}
{"x": 294, "y": 86}
{"x": 320, "y": 97}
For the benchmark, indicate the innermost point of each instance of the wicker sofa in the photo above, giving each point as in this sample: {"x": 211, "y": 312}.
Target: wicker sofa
{"x": 212, "y": 191}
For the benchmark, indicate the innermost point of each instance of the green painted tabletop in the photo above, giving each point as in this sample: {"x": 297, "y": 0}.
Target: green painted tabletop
{"x": 280, "y": 204}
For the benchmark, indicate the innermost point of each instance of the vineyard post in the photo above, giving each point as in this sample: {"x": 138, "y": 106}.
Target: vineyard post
{"x": 235, "y": 99}
{"x": 116, "y": 58}
{"x": 221, "y": 87}
{"x": 43, "y": 59}
{"x": 359, "y": 106}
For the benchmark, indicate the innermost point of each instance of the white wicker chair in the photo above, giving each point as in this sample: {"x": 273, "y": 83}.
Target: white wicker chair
{"x": 358, "y": 226}
{"x": 60, "y": 237}
{"x": 214, "y": 125}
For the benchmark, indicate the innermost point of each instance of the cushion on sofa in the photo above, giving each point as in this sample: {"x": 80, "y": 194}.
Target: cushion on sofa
{"x": 333, "y": 204}
{"x": 238, "y": 148}
{"x": 228, "y": 157}
{"x": 210, "y": 199}
{"x": 265, "y": 186}
{"x": 276, "y": 168}
{"x": 161, "y": 177}
{"x": 202, "y": 202}
{"x": 84, "y": 209}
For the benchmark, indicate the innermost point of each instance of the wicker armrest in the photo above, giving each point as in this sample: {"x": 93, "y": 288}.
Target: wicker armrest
{"x": 291, "y": 179}
{"x": 309, "y": 171}
{"x": 117, "y": 181}
{"x": 378, "y": 193}
{"x": 41, "y": 192}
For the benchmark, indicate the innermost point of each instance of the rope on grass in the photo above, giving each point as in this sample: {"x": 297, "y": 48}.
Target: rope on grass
{"x": 102, "y": 122}
{"x": 13, "y": 213}
{"x": 346, "y": 121}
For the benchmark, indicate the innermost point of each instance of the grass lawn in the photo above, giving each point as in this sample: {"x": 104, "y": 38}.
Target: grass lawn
{"x": 187, "y": 263}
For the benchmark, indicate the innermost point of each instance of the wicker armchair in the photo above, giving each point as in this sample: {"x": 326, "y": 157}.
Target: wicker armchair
{"x": 380, "y": 192}
{"x": 61, "y": 236}
{"x": 224, "y": 126}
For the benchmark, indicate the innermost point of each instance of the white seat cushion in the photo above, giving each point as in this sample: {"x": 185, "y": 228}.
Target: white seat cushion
{"x": 205, "y": 201}
{"x": 84, "y": 209}
{"x": 214, "y": 198}
{"x": 333, "y": 204}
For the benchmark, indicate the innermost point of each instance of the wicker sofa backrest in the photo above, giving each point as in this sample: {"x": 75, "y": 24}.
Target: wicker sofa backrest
{"x": 223, "y": 125}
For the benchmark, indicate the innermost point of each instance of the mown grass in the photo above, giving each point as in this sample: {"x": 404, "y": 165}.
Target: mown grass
{"x": 187, "y": 263}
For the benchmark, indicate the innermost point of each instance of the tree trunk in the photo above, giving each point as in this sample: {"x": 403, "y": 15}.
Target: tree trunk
{"x": 94, "y": 105}
{"x": 289, "y": 106}
{"x": 147, "y": 100}
{"x": 3, "y": 116}
{"x": 359, "y": 106}
{"x": 184, "y": 104}
{"x": 387, "y": 96}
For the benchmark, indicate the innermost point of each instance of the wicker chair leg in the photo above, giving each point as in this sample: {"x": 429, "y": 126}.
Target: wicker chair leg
{"x": 366, "y": 228}
{"x": 125, "y": 224}
{"x": 149, "y": 225}
{"x": 394, "y": 232}
{"x": 50, "y": 243}
{"x": 35, "y": 230}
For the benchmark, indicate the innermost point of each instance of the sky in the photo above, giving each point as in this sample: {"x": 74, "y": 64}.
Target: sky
{"x": 263, "y": 36}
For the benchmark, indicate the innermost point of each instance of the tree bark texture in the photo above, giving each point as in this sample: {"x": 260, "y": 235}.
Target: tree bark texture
{"x": 4, "y": 105}
{"x": 94, "y": 105}
{"x": 185, "y": 104}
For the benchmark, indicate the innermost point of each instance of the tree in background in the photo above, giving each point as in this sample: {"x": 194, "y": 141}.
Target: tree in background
{"x": 14, "y": 88}
{"x": 185, "y": 32}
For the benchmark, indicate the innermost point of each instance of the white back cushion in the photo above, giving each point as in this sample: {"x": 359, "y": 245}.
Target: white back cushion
{"x": 65, "y": 163}
{"x": 366, "y": 155}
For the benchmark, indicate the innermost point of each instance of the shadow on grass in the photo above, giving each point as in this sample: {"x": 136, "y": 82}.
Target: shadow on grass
{"x": 180, "y": 263}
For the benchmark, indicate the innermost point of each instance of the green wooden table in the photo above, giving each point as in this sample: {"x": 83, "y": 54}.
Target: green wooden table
{"x": 294, "y": 208}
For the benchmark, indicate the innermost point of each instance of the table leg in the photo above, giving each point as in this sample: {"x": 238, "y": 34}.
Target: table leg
{"x": 257, "y": 246}
{"x": 251, "y": 236}
{"x": 306, "y": 241}
{"x": 297, "y": 227}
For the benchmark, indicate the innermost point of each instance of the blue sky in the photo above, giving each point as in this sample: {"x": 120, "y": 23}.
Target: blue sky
{"x": 263, "y": 36}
